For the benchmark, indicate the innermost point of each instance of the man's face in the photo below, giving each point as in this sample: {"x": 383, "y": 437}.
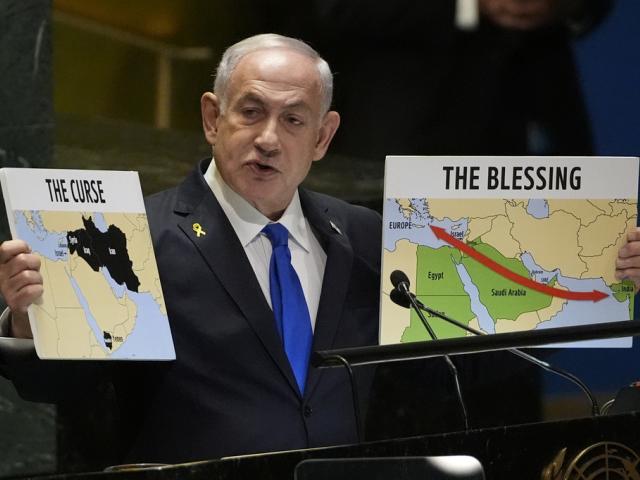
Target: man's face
{"x": 272, "y": 127}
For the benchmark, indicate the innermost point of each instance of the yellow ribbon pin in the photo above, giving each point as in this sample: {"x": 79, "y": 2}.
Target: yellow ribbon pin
{"x": 198, "y": 229}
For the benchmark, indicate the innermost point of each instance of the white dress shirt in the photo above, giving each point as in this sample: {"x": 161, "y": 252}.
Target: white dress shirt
{"x": 307, "y": 256}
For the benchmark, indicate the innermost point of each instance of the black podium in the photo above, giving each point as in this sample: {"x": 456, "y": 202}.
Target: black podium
{"x": 586, "y": 448}
{"x": 591, "y": 447}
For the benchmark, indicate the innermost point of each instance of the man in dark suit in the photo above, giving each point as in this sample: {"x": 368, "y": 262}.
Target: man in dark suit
{"x": 502, "y": 83}
{"x": 233, "y": 388}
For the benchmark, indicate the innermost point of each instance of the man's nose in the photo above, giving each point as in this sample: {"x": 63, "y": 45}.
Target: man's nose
{"x": 268, "y": 140}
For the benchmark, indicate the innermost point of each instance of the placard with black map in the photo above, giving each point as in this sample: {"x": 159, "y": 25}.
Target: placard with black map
{"x": 102, "y": 294}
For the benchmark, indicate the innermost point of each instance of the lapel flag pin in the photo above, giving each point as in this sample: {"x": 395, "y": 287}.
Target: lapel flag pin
{"x": 198, "y": 229}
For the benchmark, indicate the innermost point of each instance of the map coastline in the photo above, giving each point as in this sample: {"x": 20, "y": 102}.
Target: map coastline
{"x": 504, "y": 263}
{"x": 102, "y": 296}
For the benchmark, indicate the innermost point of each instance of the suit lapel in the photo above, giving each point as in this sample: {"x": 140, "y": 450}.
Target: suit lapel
{"x": 222, "y": 251}
{"x": 335, "y": 282}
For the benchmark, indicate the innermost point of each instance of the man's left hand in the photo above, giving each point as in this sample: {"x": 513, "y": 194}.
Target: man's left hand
{"x": 628, "y": 261}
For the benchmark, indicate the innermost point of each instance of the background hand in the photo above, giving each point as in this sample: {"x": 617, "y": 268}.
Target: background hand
{"x": 522, "y": 14}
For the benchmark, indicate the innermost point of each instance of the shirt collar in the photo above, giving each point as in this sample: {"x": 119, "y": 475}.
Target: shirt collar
{"x": 247, "y": 221}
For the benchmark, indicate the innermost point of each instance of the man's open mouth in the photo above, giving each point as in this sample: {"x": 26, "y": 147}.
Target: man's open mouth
{"x": 260, "y": 167}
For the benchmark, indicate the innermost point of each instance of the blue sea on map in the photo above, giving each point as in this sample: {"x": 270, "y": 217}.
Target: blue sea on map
{"x": 606, "y": 310}
{"x": 531, "y": 266}
{"x": 538, "y": 208}
{"x": 118, "y": 290}
{"x": 98, "y": 221}
{"x": 93, "y": 324}
{"x": 151, "y": 326}
{"x": 40, "y": 240}
{"x": 151, "y": 336}
{"x": 419, "y": 233}
{"x": 477, "y": 307}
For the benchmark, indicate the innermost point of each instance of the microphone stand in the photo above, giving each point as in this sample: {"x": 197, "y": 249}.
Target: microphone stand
{"x": 595, "y": 409}
{"x": 415, "y": 303}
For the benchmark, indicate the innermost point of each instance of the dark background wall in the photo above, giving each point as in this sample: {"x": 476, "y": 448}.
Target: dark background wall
{"x": 27, "y": 431}
{"x": 26, "y": 93}
{"x": 104, "y": 117}
{"x": 609, "y": 63}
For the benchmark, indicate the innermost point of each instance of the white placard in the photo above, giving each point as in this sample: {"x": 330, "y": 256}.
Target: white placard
{"x": 511, "y": 177}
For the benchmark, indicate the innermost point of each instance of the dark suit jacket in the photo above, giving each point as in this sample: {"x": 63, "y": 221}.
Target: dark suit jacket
{"x": 231, "y": 390}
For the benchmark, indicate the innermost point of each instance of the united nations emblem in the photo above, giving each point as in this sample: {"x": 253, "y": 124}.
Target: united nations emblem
{"x": 601, "y": 461}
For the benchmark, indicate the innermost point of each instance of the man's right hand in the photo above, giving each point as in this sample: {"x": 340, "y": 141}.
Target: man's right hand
{"x": 20, "y": 283}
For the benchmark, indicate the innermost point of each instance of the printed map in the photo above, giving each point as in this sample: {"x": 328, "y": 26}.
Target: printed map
{"x": 462, "y": 258}
{"x": 102, "y": 295}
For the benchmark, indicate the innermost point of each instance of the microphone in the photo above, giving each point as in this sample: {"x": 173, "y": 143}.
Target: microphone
{"x": 400, "y": 281}
{"x": 400, "y": 298}
{"x": 403, "y": 297}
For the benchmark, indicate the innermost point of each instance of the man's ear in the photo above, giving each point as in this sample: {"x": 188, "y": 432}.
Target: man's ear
{"x": 210, "y": 109}
{"x": 328, "y": 128}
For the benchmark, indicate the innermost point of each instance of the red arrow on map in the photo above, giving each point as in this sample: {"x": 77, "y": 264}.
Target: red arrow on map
{"x": 594, "y": 295}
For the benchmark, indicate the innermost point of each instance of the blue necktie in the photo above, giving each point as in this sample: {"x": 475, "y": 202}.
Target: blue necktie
{"x": 289, "y": 306}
